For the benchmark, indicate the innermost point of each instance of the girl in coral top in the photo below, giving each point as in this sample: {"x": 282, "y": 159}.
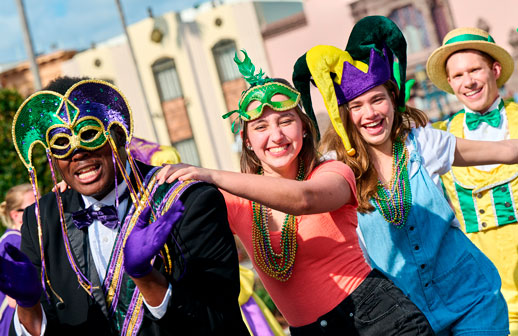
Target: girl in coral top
{"x": 297, "y": 219}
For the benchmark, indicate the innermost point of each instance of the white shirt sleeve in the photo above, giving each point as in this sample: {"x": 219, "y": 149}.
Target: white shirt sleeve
{"x": 437, "y": 150}
{"x": 159, "y": 311}
{"x": 20, "y": 329}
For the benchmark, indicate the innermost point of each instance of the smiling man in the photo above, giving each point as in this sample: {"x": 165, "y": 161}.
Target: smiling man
{"x": 470, "y": 65}
{"x": 116, "y": 254}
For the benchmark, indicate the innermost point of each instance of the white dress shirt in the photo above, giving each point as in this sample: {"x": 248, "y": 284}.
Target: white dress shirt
{"x": 102, "y": 240}
{"x": 486, "y": 132}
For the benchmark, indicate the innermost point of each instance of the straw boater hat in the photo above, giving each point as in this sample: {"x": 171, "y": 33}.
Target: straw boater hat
{"x": 461, "y": 39}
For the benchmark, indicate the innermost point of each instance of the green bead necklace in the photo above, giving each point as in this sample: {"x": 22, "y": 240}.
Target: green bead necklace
{"x": 394, "y": 202}
{"x": 276, "y": 265}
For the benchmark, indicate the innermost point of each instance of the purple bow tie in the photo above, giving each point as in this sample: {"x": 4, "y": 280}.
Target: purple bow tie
{"x": 107, "y": 215}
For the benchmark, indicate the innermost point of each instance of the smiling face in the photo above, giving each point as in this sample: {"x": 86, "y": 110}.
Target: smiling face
{"x": 473, "y": 79}
{"x": 91, "y": 173}
{"x": 372, "y": 113}
{"x": 276, "y": 139}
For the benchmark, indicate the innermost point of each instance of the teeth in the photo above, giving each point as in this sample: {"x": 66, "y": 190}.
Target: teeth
{"x": 277, "y": 149}
{"x": 81, "y": 171}
{"x": 87, "y": 174}
{"x": 372, "y": 124}
{"x": 469, "y": 94}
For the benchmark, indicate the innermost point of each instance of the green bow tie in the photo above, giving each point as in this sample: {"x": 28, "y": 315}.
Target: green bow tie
{"x": 492, "y": 118}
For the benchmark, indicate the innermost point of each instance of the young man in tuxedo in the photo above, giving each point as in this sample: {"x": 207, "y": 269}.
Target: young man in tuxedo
{"x": 116, "y": 253}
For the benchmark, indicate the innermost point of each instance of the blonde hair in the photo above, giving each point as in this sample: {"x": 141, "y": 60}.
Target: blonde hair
{"x": 250, "y": 163}
{"x": 364, "y": 171}
{"x": 13, "y": 200}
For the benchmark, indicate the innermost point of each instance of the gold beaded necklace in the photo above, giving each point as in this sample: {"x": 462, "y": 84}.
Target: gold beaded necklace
{"x": 277, "y": 265}
{"x": 395, "y": 201}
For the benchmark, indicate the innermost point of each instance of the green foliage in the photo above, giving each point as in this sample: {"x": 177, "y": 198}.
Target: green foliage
{"x": 12, "y": 170}
{"x": 263, "y": 294}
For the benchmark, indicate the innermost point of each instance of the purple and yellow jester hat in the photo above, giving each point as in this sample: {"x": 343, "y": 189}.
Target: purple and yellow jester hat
{"x": 375, "y": 53}
{"x": 262, "y": 89}
{"x": 79, "y": 120}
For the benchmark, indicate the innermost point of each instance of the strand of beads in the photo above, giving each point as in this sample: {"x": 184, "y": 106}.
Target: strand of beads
{"x": 277, "y": 265}
{"x": 394, "y": 203}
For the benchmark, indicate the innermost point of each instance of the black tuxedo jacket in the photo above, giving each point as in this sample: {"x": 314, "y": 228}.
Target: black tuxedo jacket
{"x": 204, "y": 300}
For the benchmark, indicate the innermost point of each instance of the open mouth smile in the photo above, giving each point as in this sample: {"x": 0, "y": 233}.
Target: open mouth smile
{"x": 472, "y": 93}
{"x": 278, "y": 150}
{"x": 88, "y": 174}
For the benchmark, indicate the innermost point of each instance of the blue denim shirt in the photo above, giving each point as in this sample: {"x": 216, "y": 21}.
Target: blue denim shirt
{"x": 434, "y": 263}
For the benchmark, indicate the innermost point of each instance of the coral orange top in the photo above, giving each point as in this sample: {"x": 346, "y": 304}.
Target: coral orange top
{"x": 329, "y": 263}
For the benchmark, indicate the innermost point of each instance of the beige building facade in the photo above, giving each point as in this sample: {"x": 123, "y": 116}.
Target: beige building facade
{"x": 189, "y": 79}
{"x": 188, "y": 75}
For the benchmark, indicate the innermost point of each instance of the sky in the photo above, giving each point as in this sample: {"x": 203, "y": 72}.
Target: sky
{"x": 71, "y": 24}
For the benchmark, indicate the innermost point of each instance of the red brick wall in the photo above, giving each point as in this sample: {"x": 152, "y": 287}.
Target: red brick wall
{"x": 177, "y": 120}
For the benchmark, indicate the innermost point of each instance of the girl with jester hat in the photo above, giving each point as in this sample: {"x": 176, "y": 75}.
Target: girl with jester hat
{"x": 297, "y": 219}
{"x": 405, "y": 222}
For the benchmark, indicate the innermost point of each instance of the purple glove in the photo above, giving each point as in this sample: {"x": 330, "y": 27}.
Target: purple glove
{"x": 145, "y": 241}
{"x": 19, "y": 278}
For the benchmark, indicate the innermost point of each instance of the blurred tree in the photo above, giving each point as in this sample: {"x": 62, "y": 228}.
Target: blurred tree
{"x": 12, "y": 170}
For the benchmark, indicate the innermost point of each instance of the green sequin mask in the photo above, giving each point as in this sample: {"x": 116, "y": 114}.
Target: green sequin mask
{"x": 263, "y": 90}
{"x": 264, "y": 94}
{"x": 78, "y": 120}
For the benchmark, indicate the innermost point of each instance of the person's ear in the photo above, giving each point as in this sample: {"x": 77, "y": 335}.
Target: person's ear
{"x": 245, "y": 141}
{"x": 496, "y": 69}
{"x": 16, "y": 216}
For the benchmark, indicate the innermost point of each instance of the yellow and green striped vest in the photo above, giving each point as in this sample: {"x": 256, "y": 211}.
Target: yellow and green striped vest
{"x": 481, "y": 199}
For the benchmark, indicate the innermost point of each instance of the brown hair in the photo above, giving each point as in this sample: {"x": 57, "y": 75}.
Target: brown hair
{"x": 250, "y": 163}
{"x": 364, "y": 171}
{"x": 13, "y": 200}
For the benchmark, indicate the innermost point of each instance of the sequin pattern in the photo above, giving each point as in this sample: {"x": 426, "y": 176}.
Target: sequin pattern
{"x": 46, "y": 116}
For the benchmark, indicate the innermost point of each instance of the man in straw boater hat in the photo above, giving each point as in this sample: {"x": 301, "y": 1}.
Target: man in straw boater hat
{"x": 472, "y": 66}
{"x": 117, "y": 253}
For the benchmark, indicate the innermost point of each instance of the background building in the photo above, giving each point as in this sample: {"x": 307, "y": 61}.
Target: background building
{"x": 19, "y": 77}
{"x": 189, "y": 77}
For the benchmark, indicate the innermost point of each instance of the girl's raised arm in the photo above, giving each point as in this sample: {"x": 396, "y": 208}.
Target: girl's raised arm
{"x": 324, "y": 192}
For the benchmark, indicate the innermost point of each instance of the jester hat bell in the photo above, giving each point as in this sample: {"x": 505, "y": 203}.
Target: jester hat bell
{"x": 463, "y": 39}
{"x": 375, "y": 53}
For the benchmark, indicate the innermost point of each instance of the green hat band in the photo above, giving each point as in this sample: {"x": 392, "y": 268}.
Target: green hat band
{"x": 469, "y": 37}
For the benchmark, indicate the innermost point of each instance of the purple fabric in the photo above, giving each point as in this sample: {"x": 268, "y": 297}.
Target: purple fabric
{"x": 355, "y": 82}
{"x": 12, "y": 237}
{"x": 19, "y": 278}
{"x": 107, "y": 215}
{"x": 255, "y": 319}
{"x": 103, "y": 102}
{"x": 146, "y": 239}
{"x": 143, "y": 150}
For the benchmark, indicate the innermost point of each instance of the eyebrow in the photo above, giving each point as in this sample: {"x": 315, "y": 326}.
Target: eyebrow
{"x": 287, "y": 113}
